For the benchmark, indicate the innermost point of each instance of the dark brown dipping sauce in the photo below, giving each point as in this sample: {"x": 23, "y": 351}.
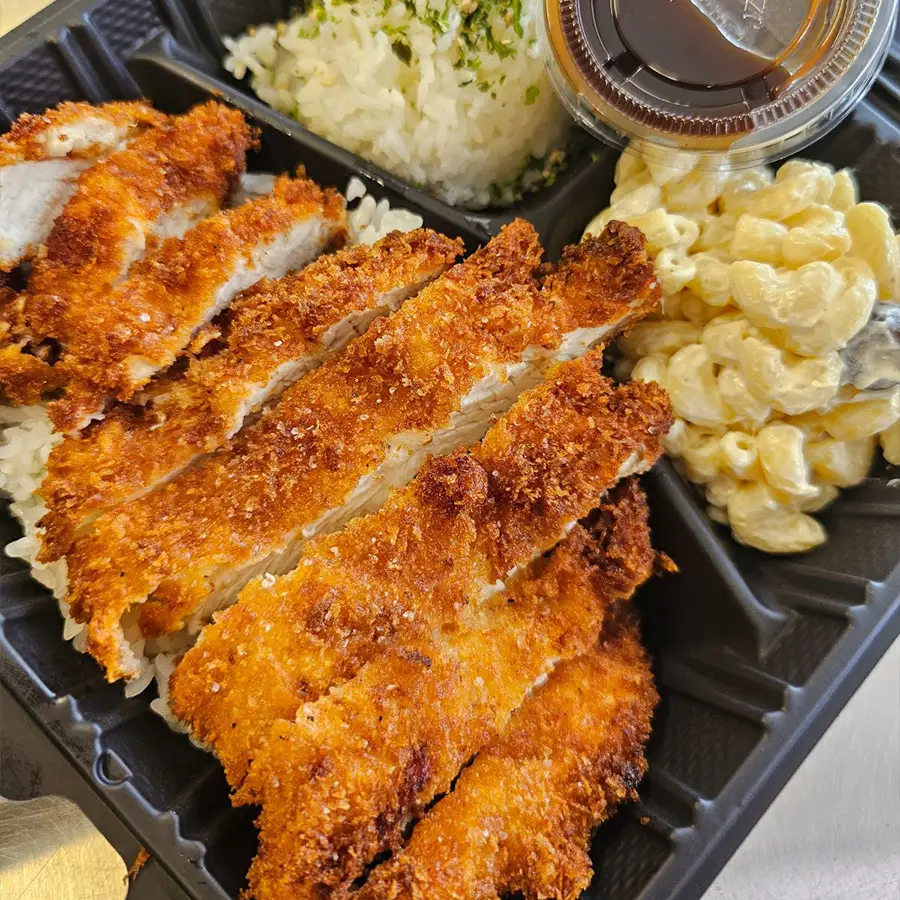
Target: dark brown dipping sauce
{"x": 675, "y": 40}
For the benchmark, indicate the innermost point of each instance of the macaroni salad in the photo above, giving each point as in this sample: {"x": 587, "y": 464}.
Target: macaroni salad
{"x": 775, "y": 287}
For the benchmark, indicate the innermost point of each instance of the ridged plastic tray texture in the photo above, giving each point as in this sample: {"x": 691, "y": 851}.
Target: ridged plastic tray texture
{"x": 754, "y": 655}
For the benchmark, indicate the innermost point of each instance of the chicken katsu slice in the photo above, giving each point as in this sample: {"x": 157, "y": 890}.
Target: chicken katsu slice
{"x": 274, "y": 333}
{"x": 421, "y": 382}
{"x": 41, "y": 158}
{"x": 520, "y": 818}
{"x": 177, "y": 289}
{"x": 76, "y": 131}
{"x": 160, "y": 185}
{"x": 448, "y": 540}
{"x": 340, "y": 782}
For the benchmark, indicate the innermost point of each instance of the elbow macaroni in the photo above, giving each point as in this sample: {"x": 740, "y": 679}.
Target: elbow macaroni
{"x": 817, "y": 233}
{"x": 748, "y": 410}
{"x": 758, "y": 239}
{"x": 766, "y": 277}
{"x": 890, "y": 444}
{"x": 783, "y": 460}
{"x": 874, "y": 241}
{"x": 693, "y": 388}
{"x": 791, "y": 384}
{"x": 841, "y": 463}
{"x": 665, "y": 338}
{"x": 740, "y": 455}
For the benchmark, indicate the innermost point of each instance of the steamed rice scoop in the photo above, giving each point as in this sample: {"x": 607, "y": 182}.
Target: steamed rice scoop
{"x": 450, "y": 95}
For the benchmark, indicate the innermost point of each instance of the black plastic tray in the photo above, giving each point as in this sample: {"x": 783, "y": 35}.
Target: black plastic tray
{"x": 754, "y": 655}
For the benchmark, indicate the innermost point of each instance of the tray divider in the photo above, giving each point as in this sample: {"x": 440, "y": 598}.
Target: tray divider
{"x": 685, "y": 679}
{"x": 87, "y": 76}
{"x": 192, "y": 26}
{"x": 107, "y": 64}
{"x": 766, "y": 619}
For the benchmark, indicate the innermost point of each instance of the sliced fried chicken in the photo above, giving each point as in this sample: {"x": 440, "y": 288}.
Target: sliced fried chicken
{"x": 339, "y": 783}
{"x": 213, "y": 524}
{"x": 423, "y": 381}
{"x": 180, "y": 287}
{"x": 164, "y": 182}
{"x": 276, "y": 332}
{"x": 75, "y": 131}
{"x": 41, "y": 158}
{"x": 448, "y": 540}
{"x": 520, "y": 818}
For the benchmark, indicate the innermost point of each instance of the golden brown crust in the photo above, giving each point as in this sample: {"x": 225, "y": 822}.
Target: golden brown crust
{"x": 519, "y": 819}
{"x": 168, "y": 294}
{"x": 23, "y": 378}
{"x": 197, "y": 158}
{"x": 461, "y": 526}
{"x": 270, "y": 325}
{"x": 306, "y": 454}
{"x": 26, "y": 139}
{"x": 597, "y": 293}
{"x": 11, "y": 310}
{"x": 338, "y": 784}
{"x": 407, "y": 373}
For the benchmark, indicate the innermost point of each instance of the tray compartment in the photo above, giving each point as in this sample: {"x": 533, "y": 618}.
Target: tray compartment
{"x": 754, "y": 656}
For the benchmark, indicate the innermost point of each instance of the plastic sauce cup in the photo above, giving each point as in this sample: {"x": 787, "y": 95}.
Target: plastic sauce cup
{"x": 757, "y": 78}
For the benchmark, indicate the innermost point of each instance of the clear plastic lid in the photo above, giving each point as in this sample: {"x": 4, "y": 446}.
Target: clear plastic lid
{"x": 758, "y": 78}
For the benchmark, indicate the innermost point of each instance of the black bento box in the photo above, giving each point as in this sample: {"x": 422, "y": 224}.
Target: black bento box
{"x": 754, "y": 655}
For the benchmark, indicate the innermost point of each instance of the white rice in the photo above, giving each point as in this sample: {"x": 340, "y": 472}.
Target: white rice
{"x": 25, "y": 444}
{"x": 27, "y": 435}
{"x": 451, "y": 96}
{"x": 369, "y": 221}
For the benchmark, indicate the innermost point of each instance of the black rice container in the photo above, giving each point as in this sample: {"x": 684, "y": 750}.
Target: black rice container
{"x": 754, "y": 655}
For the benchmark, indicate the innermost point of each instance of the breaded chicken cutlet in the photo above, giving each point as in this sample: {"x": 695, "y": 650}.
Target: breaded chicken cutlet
{"x": 339, "y": 783}
{"x": 75, "y": 131}
{"x": 448, "y": 540}
{"x": 180, "y": 287}
{"x": 423, "y": 381}
{"x": 162, "y": 183}
{"x": 41, "y": 158}
{"x": 345, "y": 696}
{"x": 274, "y": 333}
{"x": 520, "y": 818}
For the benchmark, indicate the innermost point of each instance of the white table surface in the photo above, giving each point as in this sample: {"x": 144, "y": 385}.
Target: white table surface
{"x": 834, "y": 832}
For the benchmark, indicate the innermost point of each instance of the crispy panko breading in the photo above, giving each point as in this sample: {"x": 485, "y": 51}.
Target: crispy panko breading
{"x": 520, "y": 818}
{"x": 181, "y": 286}
{"x": 307, "y": 453}
{"x": 41, "y": 158}
{"x": 339, "y": 784}
{"x": 11, "y": 309}
{"x": 274, "y": 333}
{"x": 441, "y": 543}
{"x": 123, "y": 202}
{"x": 23, "y": 377}
{"x": 204, "y": 534}
{"x": 75, "y": 131}
{"x": 164, "y": 181}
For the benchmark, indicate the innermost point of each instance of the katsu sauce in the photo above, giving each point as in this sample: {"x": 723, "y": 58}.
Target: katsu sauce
{"x": 677, "y": 41}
